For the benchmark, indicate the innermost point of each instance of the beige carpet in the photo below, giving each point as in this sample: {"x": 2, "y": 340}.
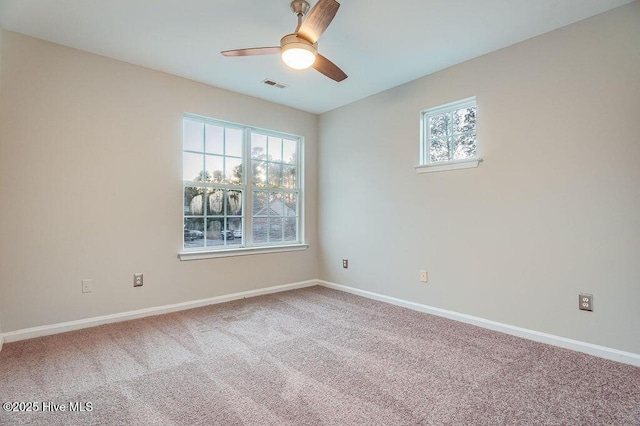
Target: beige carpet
{"x": 309, "y": 357}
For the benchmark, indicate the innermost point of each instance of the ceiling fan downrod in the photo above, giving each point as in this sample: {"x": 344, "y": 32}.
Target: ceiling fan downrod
{"x": 299, "y": 8}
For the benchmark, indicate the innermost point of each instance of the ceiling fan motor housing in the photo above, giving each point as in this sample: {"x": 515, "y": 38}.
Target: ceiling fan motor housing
{"x": 293, "y": 40}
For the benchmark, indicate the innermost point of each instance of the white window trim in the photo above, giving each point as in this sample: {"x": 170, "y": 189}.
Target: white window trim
{"x": 210, "y": 252}
{"x": 448, "y": 165}
{"x": 241, "y": 251}
{"x": 426, "y": 166}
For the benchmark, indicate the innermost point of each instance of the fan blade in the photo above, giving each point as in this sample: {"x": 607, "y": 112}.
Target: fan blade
{"x": 318, "y": 19}
{"x": 252, "y": 51}
{"x": 328, "y": 68}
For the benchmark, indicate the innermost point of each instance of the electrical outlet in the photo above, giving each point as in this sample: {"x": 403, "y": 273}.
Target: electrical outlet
{"x": 87, "y": 286}
{"x": 585, "y": 302}
{"x": 424, "y": 276}
{"x": 345, "y": 263}
{"x": 137, "y": 280}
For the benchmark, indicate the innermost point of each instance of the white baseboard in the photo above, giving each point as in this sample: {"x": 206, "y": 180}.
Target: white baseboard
{"x": 29, "y": 333}
{"x": 550, "y": 339}
{"x": 588, "y": 348}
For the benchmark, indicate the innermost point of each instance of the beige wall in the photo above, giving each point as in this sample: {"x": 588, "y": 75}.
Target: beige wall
{"x": 1, "y": 236}
{"x": 90, "y": 176}
{"x": 552, "y": 211}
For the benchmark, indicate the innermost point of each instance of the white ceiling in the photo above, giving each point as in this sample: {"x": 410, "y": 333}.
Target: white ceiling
{"x": 379, "y": 44}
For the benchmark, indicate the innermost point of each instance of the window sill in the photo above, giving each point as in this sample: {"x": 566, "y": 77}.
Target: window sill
{"x": 245, "y": 251}
{"x": 450, "y": 165}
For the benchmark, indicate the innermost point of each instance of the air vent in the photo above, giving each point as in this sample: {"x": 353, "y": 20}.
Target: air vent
{"x": 272, "y": 83}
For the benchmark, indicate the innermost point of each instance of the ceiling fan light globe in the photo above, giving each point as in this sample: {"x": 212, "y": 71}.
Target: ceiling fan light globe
{"x": 298, "y": 56}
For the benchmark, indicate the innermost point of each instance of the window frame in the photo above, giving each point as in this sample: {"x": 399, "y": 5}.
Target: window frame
{"x": 426, "y": 165}
{"x": 248, "y": 189}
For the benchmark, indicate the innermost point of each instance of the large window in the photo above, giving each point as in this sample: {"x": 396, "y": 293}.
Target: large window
{"x": 449, "y": 133}
{"x": 242, "y": 186}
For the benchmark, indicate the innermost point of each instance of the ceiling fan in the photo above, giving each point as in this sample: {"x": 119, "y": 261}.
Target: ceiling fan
{"x": 299, "y": 50}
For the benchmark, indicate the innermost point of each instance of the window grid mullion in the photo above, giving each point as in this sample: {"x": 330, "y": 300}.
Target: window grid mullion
{"x": 247, "y": 213}
{"x": 225, "y": 215}
{"x": 450, "y": 131}
{"x": 224, "y": 159}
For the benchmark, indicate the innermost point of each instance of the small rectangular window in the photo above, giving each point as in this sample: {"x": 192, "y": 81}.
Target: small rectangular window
{"x": 449, "y": 133}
